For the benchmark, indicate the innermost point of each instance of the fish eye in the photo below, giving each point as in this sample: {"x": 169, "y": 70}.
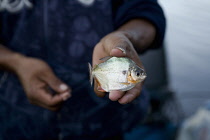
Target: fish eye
{"x": 137, "y": 74}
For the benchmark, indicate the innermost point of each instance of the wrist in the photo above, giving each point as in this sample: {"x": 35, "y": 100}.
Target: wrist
{"x": 13, "y": 62}
{"x": 140, "y": 32}
{"x": 9, "y": 60}
{"x": 18, "y": 60}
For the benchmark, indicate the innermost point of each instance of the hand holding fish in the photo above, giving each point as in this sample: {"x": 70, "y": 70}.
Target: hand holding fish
{"x": 118, "y": 45}
{"x": 137, "y": 32}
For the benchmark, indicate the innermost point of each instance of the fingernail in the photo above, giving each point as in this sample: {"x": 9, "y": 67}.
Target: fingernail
{"x": 123, "y": 50}
{"x": 63, "y": 87}
{"x": 65, "y": 96}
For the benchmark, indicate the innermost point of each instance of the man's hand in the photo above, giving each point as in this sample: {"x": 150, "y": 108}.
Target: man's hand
{"x": 117, "y": 44}
{"x": 39, "y": 81}
{"x": 138, "y": 32}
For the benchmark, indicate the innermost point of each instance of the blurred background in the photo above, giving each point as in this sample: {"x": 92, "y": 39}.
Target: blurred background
{"x": 179, "y": 74}
{"x": 187, "y": 46}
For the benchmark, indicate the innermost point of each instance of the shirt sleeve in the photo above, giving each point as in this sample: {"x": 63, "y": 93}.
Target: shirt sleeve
{"x": 145, "y": 9}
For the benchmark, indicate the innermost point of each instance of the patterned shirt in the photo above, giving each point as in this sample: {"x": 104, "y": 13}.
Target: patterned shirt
{"x": 63, "y": 33}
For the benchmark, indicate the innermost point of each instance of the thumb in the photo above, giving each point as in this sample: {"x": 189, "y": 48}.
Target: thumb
{"x": 121, "y": 48}
{"x": 125, "y": 49}
{"x": 118, "y": 51}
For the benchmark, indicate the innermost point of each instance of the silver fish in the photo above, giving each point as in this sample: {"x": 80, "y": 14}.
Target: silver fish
{"x": 117, "y": 73}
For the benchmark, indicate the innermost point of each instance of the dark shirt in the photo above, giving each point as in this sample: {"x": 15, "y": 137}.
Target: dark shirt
{"x": 63, "y": 34}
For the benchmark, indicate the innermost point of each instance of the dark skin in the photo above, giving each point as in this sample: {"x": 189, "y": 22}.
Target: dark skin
{"x": 136, "y": 32}
{"x": 37, "y": 77}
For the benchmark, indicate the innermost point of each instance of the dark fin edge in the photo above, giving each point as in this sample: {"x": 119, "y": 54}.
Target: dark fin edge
{"x": 91, "y": 75}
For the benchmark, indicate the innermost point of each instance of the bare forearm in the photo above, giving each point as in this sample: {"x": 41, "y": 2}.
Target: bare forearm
{"x": 140, "y": 32}
{"x": 9, "y": 60}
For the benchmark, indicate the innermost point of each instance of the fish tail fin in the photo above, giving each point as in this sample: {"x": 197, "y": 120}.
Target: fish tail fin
{"x": 91, "y": 74}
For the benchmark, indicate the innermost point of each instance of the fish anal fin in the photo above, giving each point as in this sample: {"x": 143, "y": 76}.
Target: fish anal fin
{"x": 99, "y": 88}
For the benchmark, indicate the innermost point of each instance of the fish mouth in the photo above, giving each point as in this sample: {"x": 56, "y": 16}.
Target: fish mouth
{"x": 143, "y": 76}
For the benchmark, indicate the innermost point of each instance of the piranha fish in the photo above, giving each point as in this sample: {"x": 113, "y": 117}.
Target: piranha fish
{"x": 116, "y": 73}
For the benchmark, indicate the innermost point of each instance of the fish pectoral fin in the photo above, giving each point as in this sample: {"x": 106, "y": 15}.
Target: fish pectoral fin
{"x": 99, "y": 88}
{"x": 133, "y": 81}
{"x": 124, "y": 83}
{"x": 105, "y": 58}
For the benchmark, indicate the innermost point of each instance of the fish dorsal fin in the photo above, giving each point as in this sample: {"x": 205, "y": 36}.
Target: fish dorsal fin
{"x": 105, "y": 58}
{"x": 90, "y": 72}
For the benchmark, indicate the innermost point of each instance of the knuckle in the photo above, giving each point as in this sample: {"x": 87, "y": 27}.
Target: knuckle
{"x": 54, "y": 79}
{"x": 100, "y": 94}
{"x": 132, "y": 97}
{"x": 122, "y": 102}
{"x": 98, "y": 45}
{"x": 138, "y": 93}
{"x": 30, "y": 96}
{"x": 47, "y": 73}
{"x": 50, "y": 104}
{"x": 54, "y": 84}
{"x": 31, "y": 102}
{"x": 113, "y": 99}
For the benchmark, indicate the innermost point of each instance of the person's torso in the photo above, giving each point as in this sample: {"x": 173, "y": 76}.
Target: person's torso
{"x": 63, "y": 33}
